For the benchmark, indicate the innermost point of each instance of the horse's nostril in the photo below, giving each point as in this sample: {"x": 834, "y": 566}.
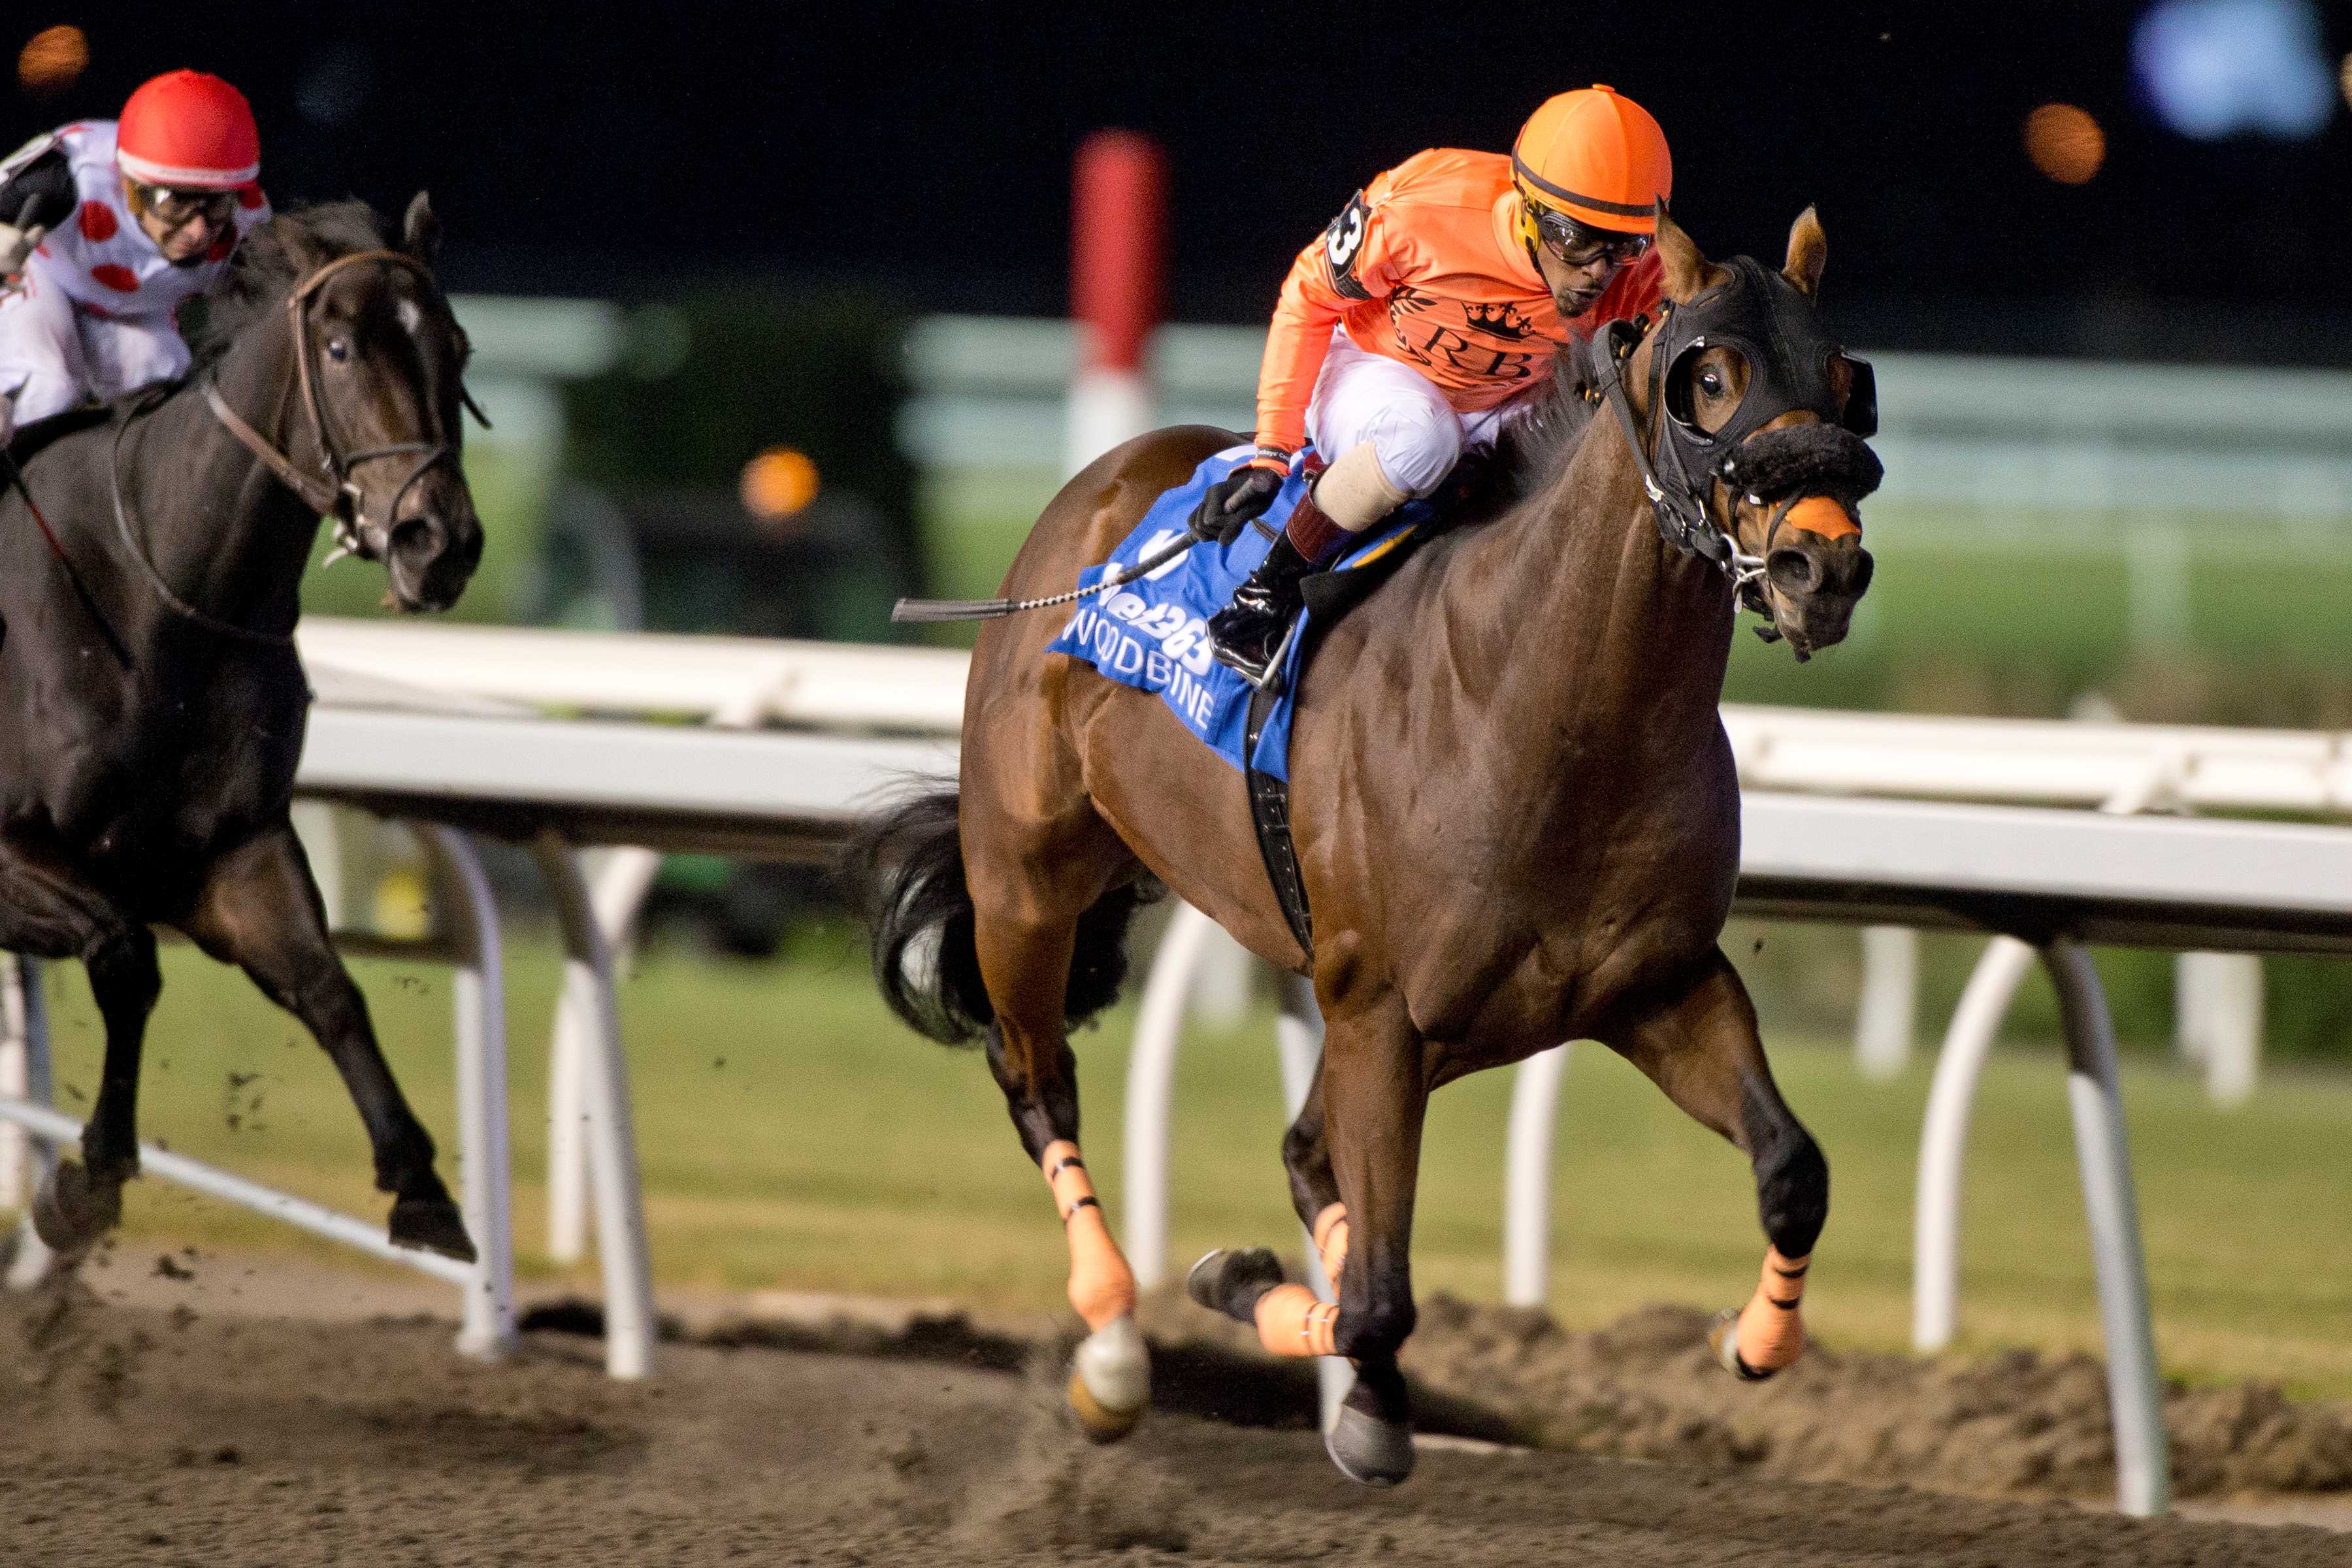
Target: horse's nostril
{"x": 1863, "y": 566}
{"x": 1793, "y": 571}
{"x": 422, "y": 532}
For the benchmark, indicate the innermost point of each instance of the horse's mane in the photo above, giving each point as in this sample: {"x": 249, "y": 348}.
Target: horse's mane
{"x": 274, "y": 257}
{"x": 1537, "y": 446}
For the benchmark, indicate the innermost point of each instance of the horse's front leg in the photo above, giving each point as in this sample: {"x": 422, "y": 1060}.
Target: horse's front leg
{"x": 1025, "y": 945}
{"x": 1700, "y": 1044}
{"x": 1354, "y": 1159}
{"x": 260, "y": 911}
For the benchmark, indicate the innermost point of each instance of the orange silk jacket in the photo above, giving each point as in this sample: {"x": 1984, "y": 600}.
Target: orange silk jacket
{"x": 1424, "y": 267}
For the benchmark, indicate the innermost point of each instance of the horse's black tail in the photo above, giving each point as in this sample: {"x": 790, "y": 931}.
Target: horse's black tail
{"x": 904, "y": 869}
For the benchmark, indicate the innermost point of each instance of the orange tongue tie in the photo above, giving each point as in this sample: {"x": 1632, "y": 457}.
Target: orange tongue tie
{"x": 1819, "y": 514}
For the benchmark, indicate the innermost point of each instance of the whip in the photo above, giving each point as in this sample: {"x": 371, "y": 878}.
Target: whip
{"x": 906, "y": 610}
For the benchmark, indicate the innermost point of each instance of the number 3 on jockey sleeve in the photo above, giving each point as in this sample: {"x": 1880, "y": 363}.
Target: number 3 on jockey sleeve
{"x": 1343, "y": 244}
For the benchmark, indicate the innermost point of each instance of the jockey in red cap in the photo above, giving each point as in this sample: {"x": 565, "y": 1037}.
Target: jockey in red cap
{"x": 106, "y": 226}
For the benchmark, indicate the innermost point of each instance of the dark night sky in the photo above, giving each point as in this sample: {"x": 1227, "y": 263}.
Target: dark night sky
{"x": 927, "y": 148}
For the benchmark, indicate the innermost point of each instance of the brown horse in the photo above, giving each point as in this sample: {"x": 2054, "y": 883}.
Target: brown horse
{"x": 1515, "y": 813}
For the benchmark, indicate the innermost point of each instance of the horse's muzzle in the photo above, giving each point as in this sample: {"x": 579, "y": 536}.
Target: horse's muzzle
{"x": 429, "y": 556}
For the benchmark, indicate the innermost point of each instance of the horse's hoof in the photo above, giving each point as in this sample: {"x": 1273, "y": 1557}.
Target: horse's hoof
{"x": 1231, "y": 1279}
{"x": 1723, "y": 1338}
{"x": 1369, "y": 1450}
{"x": 71, "y": 1210}
{"x": 1111, "y": 1380}
{"x": 432, "y": 1224}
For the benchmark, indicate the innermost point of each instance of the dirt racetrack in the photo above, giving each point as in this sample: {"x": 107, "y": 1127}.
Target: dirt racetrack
{"x": 138, "y": 1434}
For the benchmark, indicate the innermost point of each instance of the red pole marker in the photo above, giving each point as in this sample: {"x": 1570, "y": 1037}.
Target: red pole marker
{"x": 1118, "y": 246}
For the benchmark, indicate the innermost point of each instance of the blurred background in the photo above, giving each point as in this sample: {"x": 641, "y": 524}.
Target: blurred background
{"x": 770, "y": 305}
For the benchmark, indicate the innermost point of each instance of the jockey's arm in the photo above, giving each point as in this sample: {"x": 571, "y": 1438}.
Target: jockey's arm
{"x": 1347, "y": 264}
{"x": 36, "y": 194}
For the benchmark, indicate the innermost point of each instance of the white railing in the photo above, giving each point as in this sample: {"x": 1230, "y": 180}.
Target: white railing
{"x": 2160, "y": 881}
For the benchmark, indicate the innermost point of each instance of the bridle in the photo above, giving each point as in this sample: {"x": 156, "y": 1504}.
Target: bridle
{"x": 1763, "y": 318}
{"x": 337, "y": 495}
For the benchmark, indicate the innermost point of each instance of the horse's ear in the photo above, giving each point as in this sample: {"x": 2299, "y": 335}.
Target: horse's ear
{"x": 420, "y": 231}
{"x": 1807, "y": 249}
{"x": 1687, "y": 271}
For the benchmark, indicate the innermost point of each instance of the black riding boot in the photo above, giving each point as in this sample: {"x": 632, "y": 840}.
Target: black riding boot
{"x": 1246, "y": 634}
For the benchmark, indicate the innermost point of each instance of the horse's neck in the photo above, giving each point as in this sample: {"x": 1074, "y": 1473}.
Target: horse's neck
{"x": 1604, "y": 645}
{"x": 222, "y": 532}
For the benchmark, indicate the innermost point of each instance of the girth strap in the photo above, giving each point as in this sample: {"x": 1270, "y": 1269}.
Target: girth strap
{"x": 1269, "y": 802}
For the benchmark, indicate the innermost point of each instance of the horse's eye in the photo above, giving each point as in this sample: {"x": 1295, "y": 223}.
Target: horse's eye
{"x": 1711, "y": 384}
{"x": 339, "y": 349}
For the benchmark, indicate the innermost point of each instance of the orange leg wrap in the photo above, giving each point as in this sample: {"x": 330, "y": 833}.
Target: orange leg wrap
{"x": 1292, "y": 1322}
{"x": 1102, "y": 1287}
{"x": 1331, "y": 1243}
{"x": 1772, "y": 1334}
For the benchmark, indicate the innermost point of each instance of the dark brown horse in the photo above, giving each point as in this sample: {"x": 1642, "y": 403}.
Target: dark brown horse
{"x": 152, "y": 707}
{"x": 1517, "y": 815}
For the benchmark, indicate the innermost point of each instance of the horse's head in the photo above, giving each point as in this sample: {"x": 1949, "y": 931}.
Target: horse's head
{"x": 1758, "y": 419}
{"x": 379, "y": 362}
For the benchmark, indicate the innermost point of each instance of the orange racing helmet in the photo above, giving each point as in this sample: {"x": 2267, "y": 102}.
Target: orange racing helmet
{"x": 1587, "y": 160}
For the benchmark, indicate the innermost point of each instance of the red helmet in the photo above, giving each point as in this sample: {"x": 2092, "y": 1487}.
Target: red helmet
{"x": 188, "y": 130}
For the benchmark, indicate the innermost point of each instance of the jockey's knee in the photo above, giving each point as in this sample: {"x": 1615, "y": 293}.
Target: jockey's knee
{"x": 1417, "y": 447}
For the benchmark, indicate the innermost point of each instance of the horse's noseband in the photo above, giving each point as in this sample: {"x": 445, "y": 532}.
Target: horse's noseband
{"x": 1773, "y": 327}
{"x": 337, "y": 495}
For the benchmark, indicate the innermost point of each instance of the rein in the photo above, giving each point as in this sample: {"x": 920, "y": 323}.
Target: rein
{"x": 335, "y": 496}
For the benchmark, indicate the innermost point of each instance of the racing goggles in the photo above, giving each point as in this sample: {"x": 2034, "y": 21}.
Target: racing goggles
{"x": 1573, "y": 244}
{"x": 177, "y": 208}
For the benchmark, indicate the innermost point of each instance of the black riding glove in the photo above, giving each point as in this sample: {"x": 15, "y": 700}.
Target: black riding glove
{"x": 1242, "y": 496}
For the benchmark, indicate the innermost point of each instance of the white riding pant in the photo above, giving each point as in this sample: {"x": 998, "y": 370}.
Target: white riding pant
{"x": 1417, "y": 435}
{"x": 54, "y": 356}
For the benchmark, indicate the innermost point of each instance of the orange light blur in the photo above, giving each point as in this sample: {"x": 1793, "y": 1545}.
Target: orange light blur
{"x": 51, "y": 59}
{"x": 2065, "y": 143}
{"x": 778, "y": 483}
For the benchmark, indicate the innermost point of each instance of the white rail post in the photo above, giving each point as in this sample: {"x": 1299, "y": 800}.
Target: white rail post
{"x": 1943, "y": 1135}
{"x": 621, "y": 885}
{"x": 13, "y": 1189}
{"x": 1151, "y": 1088}
{"x": 1298, "y": 1040}
{"x": 1885, "y": 1021}
{"x": 1943, "y": 1140}
{"x": 2218, "y": 1004}
{"x": 2142, "y": 1473}
{"x": 484, "y": 1168}
{"x": 27, "y": 1022}
{"x": 1526, "y": 1177}
{"x": 629, "y": 1320}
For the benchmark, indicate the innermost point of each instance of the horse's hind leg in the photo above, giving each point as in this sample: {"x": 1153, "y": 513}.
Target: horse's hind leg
{"x": 1701, "y": 1046}
{"x": 47, "y": 910}
{"x": 261, "y": 911}
{"x": 1026, "y": 910}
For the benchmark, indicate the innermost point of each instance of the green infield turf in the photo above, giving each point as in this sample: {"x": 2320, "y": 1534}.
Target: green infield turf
{"x": 794, "y": 1136}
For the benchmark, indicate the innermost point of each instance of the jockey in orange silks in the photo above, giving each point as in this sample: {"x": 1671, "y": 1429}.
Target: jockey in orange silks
{"x": 1424, "y": 319}
{"x": 106, "y": 228}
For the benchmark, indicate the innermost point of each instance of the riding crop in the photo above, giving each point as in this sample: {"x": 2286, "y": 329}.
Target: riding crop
{"x": 906, "y": 610}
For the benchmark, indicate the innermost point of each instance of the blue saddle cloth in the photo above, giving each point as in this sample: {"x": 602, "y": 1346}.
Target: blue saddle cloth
{"x": 1151, "y": 634}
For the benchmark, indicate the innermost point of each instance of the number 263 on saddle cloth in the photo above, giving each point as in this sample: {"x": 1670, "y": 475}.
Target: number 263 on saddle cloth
{"x": 1152, "y": 633}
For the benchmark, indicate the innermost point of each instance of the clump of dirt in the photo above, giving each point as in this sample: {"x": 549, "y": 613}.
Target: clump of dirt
{"x": 2023, "y": 1424}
